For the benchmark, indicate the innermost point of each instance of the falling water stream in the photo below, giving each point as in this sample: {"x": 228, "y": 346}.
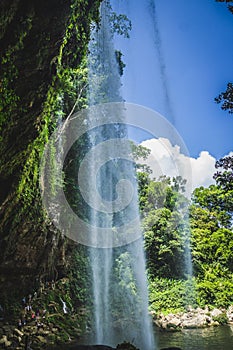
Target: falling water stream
{"x": 119, "y": 285}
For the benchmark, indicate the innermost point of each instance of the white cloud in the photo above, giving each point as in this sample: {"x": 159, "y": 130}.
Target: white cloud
{"x": 203, "y": 169}
{"x": 166, "y": 159}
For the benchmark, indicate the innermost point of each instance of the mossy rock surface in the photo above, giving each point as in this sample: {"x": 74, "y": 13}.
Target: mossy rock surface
{"x": 43, "y": 46}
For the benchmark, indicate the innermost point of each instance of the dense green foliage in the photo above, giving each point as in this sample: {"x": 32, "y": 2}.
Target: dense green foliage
{"x": 165, "y": 226}
{"x": 168, "y": 295}
{"x": 226, "y": 98}
{"x": 179, "y": 231}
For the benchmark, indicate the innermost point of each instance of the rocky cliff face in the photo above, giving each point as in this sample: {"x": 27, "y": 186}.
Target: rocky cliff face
{"x": 42, "y": 45}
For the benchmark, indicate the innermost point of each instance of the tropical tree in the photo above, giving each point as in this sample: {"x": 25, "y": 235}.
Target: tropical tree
{"x": 211, "y": 222}
{"x": 230, "y": 7}
{"x": 226, "y": 98}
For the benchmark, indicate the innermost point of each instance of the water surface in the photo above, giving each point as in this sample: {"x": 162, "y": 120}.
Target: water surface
{"x": 214, "y": 338}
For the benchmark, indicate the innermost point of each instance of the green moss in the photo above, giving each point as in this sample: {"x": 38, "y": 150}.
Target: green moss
{"x": 9, "y": 100}
{"x": 67, "y": 90}
{"x": 35, "y": 97}
{"x": 6, "y": 16}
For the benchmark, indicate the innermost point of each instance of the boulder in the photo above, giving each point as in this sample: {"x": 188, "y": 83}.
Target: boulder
{"x": 230, "y": 313}
{"x": 41, "y": 339}
{"x": 18, "y": 332}
{"x": 216, "y": 312}
{"x": 169, "y": 322}
{"x": 174, "y": 322}
{"x": 8, "y": 344}
{"x": 196, "y": 321}
{"x": 3, "y": 339}
{"x": 5, "y": 342}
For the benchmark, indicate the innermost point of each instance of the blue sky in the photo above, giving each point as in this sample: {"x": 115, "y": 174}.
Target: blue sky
{"x": 178, "y": 59}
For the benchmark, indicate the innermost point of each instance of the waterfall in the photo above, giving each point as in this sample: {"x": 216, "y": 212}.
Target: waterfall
{"x": 157, "y": 41}
{"x": 119, "y": 285}
{"x": 106, "y": 192}
{"x": 161, "y": 59}
{"x": 64, "y": 307}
